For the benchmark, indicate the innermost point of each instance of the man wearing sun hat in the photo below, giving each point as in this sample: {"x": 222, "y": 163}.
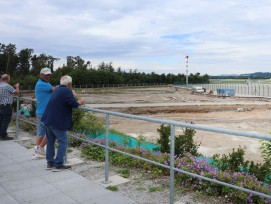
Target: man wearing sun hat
{"x": 43, "y": 92}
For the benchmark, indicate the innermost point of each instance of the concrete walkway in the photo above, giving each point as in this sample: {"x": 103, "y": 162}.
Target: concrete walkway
{"x": 23, "y": 180}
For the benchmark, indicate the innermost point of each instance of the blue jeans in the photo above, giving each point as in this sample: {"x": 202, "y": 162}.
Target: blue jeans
{"x": 41, "y": 129}
{"x": 53, "y": 134}
{"x": 5, "y": 118}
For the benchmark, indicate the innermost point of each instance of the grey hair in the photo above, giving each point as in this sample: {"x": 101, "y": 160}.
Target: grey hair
{"x": 65, "y": 80}
{"x": 5, "y": 77}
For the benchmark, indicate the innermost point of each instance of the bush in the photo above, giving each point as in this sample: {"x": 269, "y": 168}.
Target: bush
{"x": 184, "y": 143}
{"x": 235, "y": 162}
{"x": 232, "y": 162}
{"x": 164, "y": 132}
{"x": 266, "y": 149}
{"x": 77, "y": 115}
{"x": 262, "y": 171}
{"x": 86, "y": 123}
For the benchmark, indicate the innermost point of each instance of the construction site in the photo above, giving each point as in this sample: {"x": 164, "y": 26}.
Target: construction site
{"x": 239, "y": 112}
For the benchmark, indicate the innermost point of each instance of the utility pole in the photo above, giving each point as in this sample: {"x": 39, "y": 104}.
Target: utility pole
{"x": 186, "y": 69}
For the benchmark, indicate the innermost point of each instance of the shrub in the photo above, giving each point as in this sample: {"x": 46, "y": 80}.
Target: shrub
{"x": 232, "y": 162}
{"x": 164, "y": 132}
{"x": 266, "y": 149}
{"x": 140, "y": 139}
{"x": 77, "y": 115}
{"x": 86, "y": 123}
{"x": 184, "y": 143}
{"x": 235, "y": 162}
{"x": 89, "y": 124}
{"x": 261, "y": 170}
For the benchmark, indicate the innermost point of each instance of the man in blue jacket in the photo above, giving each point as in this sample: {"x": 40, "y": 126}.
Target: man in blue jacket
{"x": 58, "y": 119}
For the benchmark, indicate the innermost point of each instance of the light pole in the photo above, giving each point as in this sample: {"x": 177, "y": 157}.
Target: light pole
{"x": 186, "y": 69}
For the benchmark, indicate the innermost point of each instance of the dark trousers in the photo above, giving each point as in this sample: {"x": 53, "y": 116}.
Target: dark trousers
{"x": 5, "y": 118}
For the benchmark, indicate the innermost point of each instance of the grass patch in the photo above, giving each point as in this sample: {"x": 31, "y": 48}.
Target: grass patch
{"x": 125, "y": 173}
{"x": 155, "y": 189}
{"x": 69, "y": 150}
{"x": 112, "y": 188}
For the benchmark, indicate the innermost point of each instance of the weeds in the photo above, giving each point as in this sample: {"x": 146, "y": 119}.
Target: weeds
{"x": 125, "y": 173}
{"x": 155, "y": 189}
{"x": 112, "y": 188}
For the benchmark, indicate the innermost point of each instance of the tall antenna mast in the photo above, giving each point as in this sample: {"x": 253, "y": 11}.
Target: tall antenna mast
{"x": 186, "y": 69}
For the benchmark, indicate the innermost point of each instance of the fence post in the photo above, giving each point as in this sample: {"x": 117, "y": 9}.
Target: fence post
{"x": 17, "y": 118}
{"x": 172, "y": 157}
{"x": 106, "y": 176}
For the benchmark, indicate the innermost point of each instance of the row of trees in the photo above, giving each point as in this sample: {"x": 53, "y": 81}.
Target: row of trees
{"x": 255, "y": 75}
{"x": 24, "y": 66}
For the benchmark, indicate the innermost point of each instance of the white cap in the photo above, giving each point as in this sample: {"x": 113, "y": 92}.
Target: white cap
{"x": 45, "y": 70}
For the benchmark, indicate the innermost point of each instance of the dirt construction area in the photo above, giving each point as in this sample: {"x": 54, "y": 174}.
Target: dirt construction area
{"x": 242, "y": 113}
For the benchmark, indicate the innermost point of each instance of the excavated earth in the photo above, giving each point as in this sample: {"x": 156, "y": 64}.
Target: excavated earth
{"x": 244, "y": 113}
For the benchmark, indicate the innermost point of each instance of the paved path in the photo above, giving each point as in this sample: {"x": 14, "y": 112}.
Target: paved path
{"x": 23, "y": 180}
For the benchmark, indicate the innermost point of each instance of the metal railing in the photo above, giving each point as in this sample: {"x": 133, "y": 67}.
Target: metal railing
{"x": 172, "y": 124}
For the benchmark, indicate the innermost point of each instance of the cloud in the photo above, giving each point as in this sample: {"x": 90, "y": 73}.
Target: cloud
{"x": 221, "y": 37}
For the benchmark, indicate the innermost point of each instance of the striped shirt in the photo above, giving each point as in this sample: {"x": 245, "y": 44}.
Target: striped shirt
{"x": 6, "y": 92}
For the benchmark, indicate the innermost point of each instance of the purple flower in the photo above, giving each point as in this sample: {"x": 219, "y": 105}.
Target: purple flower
{"x": 249, "y": 198}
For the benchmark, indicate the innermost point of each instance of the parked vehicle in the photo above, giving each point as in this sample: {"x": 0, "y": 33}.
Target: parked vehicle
{"x": 225, "y": 92}
{"x": 197, "y": 89}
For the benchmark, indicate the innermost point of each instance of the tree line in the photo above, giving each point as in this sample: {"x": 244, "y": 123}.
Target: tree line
{"x": 24, "y": 66}
{"x": 255, "y": 75}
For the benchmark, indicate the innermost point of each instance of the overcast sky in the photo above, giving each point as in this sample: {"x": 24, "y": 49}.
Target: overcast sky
{"x": 219, "y": 36}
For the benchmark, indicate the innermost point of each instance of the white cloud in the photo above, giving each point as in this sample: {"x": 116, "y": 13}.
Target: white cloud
{"x": 151, "y": 36}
